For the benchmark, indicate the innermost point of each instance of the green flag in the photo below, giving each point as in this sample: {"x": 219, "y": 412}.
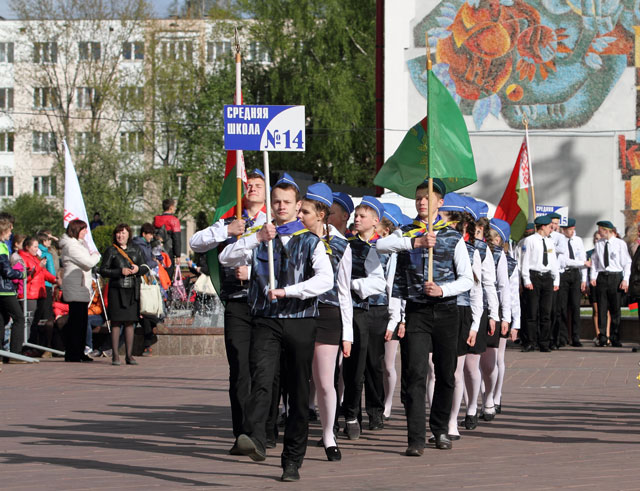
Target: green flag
{"x": 439, "y": 149}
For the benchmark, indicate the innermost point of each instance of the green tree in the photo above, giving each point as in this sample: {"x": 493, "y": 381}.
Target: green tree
{"x": 34, "y": 213}
{"x": 323, "y": 57}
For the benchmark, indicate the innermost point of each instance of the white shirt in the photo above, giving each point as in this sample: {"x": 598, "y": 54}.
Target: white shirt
{"x": 532, "y": 255}
{"x": 343, "y": 281}
{"x": 503, "y": 288}
{"x": 241, "y": 252}
{"x": 580, "y": 256}
{"x": 514, "y": 282}
{"x": 214, "y": 235}
{"x": 619, "y": 259}
{"x": 559, "y": 242}
{"x": 477, "y": 305}
{"x": 489, "y": 285}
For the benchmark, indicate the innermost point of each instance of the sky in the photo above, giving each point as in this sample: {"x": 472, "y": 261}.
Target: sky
{"x": 160, "y": 6}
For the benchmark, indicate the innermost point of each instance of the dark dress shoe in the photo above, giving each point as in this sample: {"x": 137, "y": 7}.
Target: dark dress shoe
{"x": 86, "y": 358}
{"x": 544, "y": 349}
{"x": 414, "y": 452}
{"x": 498, "y": 408}
{"x": 235, "y": 450}
{"x": 131, "y": 361}
{"x": 576, "y": 344}
{"x": 443, "y": 442}
{"x": 453, "y": 438}
{"x": 488, "y": 416}
{"x": 431, "y": 440}
{"x": 251, "y": 448}
{"x": 320, "y": 443}
{"x": 313, "y": 416}
{"x": 552, "y": 347}
{"x": 333, "y": 454}
{"x": 616, "y": 344}
{"x": 528, "y": 348}
{"x": 376, "y": 424}
{"x": 352, "y": 430}
{"x": 270, "y": 443}
{"x": 471, "y": 422}
{"x": 561, "y": 344}
{"x": 290, "y": 472}
{"x": 602, "y": 341}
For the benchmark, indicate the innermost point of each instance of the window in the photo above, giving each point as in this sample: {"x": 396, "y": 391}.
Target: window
{"x": 45, "y": 52}
{"x": 133, "y": 51}
{"x": 44, "y": 185}
{"x": 132, "y": 141}
{"x": 133, "y": 185}
{"x": 257, "y": 53}
{"x": 177, "y": 50}
{"x": 45, "y": 98}
{"x": 6, "y": 186}
{"x": 89, "y": 51}
{"x": 86, "y": 97}
{"x": 218, "y": 49}
{"x": 6, "y": 52}
{"x": 84, "y": 139}
{"x": 44, "y": 142}
{"x": 6, "y": 99}
{"x": 179, "y": 184}
{"x": 6, "y": 142}
{"x": 132, "y": 96}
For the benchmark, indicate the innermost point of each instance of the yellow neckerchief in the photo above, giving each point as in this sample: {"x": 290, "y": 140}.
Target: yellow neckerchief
{"x": 368, "y": 241}
{"x": 325, "y": 241}
{"x": 421, "y": 227}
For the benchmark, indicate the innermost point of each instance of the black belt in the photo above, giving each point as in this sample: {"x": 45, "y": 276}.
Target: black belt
{"x": 533, "y": 272}
{"x": 610, "y": 273}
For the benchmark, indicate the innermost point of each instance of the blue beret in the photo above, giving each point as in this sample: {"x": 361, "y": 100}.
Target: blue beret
{"x": 259, "y": 172}
{"x": 453, "y": 202}
{"x": 470, "y": 207}
{"x": 482, "y": 209}
{"x": 320, "y": 192}
{"x": 503, "y": 228}
{"x": 438, "y": 185}
{"x": 373, "y": 203}
{"x": 393, "y": 213}
{"x": 605, "y": 224}
{"x": 542, "y": 220}
{"x": 287, "y": 179}
{"x": 344, "y": 200}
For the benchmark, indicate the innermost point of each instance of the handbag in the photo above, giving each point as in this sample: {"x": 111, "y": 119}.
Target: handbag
{"x": 178, "y": 291}
{"x": 203, "y": 285}
{"x": 151, "y": 302}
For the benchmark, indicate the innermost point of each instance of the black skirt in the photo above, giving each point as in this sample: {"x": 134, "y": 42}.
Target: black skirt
{"x": 464, "y": 326}
{"x": 481, "y": 338}
{"x": 328, "y": 325}
{"x": 123, "y": 305}
{"x": 494, "y": 341}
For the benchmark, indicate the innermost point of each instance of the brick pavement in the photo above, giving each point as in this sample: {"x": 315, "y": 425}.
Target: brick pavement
{"x": 571, "y": 419}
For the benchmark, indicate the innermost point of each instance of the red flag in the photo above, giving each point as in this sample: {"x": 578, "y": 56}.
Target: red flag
{"x": 514, "y": 205}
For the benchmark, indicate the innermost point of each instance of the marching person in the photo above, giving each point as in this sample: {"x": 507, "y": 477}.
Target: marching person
{"x": 334, "y": 325}
{"x": 541, "y": 278}
{"x": 339, "y": 213}
{"x": 610, "y": 271}
{"x": 283, "y": 321}
{"x": 233, "y": 292}
{"x": 573, "y": 283}
{"x": 560, "y": 246}
{"x": 431, "y": 313}
{"x": 365, "y": 362}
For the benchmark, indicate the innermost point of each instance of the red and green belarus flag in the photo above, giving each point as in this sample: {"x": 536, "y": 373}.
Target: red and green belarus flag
{"x": 226, "y": 208}
{"x": 514, "y": 205}
{"x": 437, "y": 147}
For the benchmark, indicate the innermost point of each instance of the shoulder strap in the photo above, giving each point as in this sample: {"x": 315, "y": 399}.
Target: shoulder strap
{"x": 124, "y": 254}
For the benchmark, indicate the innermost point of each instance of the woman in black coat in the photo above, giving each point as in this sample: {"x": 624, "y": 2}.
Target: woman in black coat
{"x": 123, "y": 264}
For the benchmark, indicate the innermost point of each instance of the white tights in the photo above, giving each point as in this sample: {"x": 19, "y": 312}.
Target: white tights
{"x": 497, "y": 393}
{"x": 489, "y": 369}
{"x": 390, "y": 375}
{"x": 472, "y": 380}
{"x": 324, "y": 367}
{"x": 431, "y": 379}
{"x": 458, "y": 392}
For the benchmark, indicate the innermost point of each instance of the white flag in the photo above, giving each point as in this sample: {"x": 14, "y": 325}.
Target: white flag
{"x": 73, "y": 203}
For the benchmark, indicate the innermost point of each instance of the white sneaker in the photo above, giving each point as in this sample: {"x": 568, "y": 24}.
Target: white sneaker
{"x": 87, "y": 350}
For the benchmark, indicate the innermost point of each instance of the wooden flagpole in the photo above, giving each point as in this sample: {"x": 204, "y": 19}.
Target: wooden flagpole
{"x": 238, "y": 152}
{"x": 525, "y": 121}
{"x": 429, "y": 224}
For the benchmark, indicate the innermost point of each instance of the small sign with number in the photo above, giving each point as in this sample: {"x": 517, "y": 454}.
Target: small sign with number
{"x": 271, "y": 128}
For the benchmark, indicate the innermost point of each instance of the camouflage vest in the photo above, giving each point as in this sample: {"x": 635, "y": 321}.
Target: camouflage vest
{"x": 292, "y": 264}
{"x": 359, "y": 252}
{"x": 412, "y": 266}
{"x": 511, "y": 265}
{"x": 335, "y": 250}
{"x": 381, "y": 298}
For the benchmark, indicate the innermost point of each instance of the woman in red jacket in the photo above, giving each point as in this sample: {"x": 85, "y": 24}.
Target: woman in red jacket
{"x": 37, "y": 274}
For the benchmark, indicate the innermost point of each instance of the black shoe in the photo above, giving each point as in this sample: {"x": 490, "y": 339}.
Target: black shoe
{"x": 386, "y": 418}
{"x": 576, "y": 344}
{"x": 602, "y": 341}
{"x": 431, "y": 440}
{"x": 235, "y": 450}
{"x": 552, "y": 347}
{"x": 414, "y": 452}
{"x": 471, "y": 422}
{"x": 290, "y": 473}
{"x": 528, "y": 348}
{"x": 71, "y": 360}
{"x": 352, "y": 430}
{"x": 561, "y": 344}
{"x": 443, "y": 442}
{"x": 282, "y": 420}
{"x": 376, "y": 424}
{"x": 616, "y": 344}
{"x": 488, "y": 416}
{"x": 131, "y": 361}
{"x": 270, "y": 443}
{"x": 498, "y": 408}
{"x": 453, "y": 438}
{"x": 85, "y": 358}
{"x": 333, "y": 454}
{"x": 313, "y": 416}
{"x": 544, "y": 349}
{"x": 251, "y": 448}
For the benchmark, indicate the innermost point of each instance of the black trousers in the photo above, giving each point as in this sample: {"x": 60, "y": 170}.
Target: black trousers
{"x": 524, "y": 331}
{"x": 237, "y": 342}
{"x": 609, "y": 300}
{"x": 428, "y": 328}
{"x": 353, "y": 368}
{"x": 569, "y": 307}
{"x": 539, "y": 309}
{"x": 294, "y": 340}
{"x": 374, "y": 372}
{"x": 10, "y": 308}
{"x": 75, "y": 331}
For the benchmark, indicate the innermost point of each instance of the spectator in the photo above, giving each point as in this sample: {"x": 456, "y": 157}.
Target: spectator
{"x": 8, "y": 216}
{"x": 143, "y": 241}
{"x": 167, "y": 226}
{"x": 95, "y": 318}
{"x": 77, "y": 262}
{"x": 44, "y": 243}
{"x": 18, "y": 241}
{"x": 36, "y": 290}
{"x": 96, "y": 222}
{"x": 9, "y": 306}
{"x": 123, "y": 264}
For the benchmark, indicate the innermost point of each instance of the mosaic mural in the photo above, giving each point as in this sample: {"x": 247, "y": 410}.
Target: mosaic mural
{"x": 553, "y": 60}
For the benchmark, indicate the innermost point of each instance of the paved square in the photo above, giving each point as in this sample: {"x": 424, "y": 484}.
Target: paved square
{"x": 571, "y": 419}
